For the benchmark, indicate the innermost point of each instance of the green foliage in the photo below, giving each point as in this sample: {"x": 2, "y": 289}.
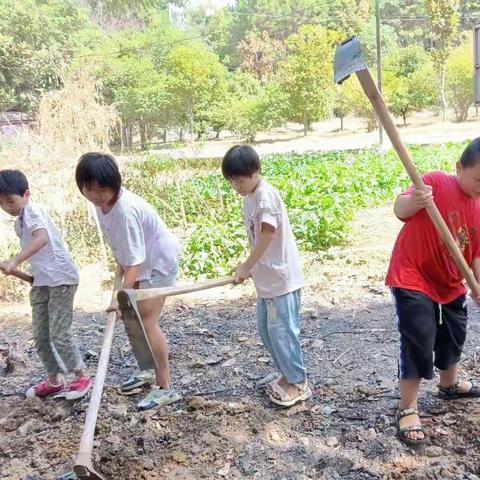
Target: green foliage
{"x": 444, "y": 20}
{"x": 196, "y": 84}
{"x": 460, "y": 81}
{"x": 37, "y": 39}
{"x": 306, "y": 74}
{"x": 322, "y": 191}
{"x": 409, "y": 81}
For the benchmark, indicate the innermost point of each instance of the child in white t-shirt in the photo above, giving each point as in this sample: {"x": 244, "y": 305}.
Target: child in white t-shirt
{"x": 55, "y": 281}
{"x": 147, "y": 255}
{"x": 274, "y": 265}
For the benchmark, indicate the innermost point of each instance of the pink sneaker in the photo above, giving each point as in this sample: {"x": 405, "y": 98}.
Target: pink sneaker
{"x": 79, "y": 388}
{"x": 45, "y": 388}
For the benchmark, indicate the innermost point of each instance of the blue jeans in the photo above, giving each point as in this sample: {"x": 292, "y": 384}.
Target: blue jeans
{"x": 278, "y": 320}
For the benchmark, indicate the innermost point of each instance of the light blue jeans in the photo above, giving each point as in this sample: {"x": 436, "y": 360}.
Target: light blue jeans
{"x": 278, "y": 320}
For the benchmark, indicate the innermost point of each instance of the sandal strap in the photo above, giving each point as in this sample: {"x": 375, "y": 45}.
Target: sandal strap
{"x": 455, "y": 389}
{"x": 406, "y": 412}
{"x": 279, "y": 392}
{"x": 412, "y": 428}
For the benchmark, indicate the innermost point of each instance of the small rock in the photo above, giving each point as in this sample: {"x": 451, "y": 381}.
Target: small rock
{"x": 198, "y": 363}
{"x": 471, "y": 476}
{"x": 327, "y": 410}
{"x": 331, "y": 442}
{"x": 366, "y": 390}
{"x": 213, "y": 359}
{"x": 391, "y": 431}
{"x": 229, "y": 362}
{"x": 179, "y": 456}
{"x": 90, "y": 354}
{"x": 434, "y": 451}
{"x": 263, "y": 360}
{"x": 119, "y": 411}
{"x": 223, "y": 472}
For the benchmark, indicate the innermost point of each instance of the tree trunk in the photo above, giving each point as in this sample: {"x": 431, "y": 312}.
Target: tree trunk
{"x": 217, "y": 134}
{"x": 442, "y": 93}
{"x": 341, "y": 124}
{"x": 404, "y": 119}
{"x": 127, "y": 135}
{"x": 180, "y": 135}
{"x": 190, "y": 117}
{"x": 306, "y": 123}
{"x": 143, "y": 136}
{"x": 164, "y": 136}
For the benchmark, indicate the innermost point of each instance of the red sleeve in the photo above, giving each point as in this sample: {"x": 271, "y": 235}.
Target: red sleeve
{"x": 430, "y": 178}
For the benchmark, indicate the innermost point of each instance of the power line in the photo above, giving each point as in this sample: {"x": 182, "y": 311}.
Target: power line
{"x": 206, "y": 37}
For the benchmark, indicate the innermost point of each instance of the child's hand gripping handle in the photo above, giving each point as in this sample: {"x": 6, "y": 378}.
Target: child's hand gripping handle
{"x": 386, "y": 120}
{"x": 17, "y": 273}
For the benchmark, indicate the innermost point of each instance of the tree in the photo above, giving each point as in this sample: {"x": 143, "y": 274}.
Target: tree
{"x": 196, "y": 83}
{"x": 37, "y": 40}
{"x": 460, "y": 81}
{"x": 407, "y": 20}
{"x": 408, "y": 81}
{"x": 260, "y": 55}
{"x": 342, "y": 105}
{"x": 444, "y": 19}
{"x": 361, "y": 105}
{"x": 306, "y": 74}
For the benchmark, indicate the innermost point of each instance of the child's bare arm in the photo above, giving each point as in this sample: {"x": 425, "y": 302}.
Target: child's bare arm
{"x": 408, "y": 205}
{"x": 242, "y": 272}
{"x": 40, "y": 239}
{"x": 129, "y": 278}
{"x": 476, "y": 268}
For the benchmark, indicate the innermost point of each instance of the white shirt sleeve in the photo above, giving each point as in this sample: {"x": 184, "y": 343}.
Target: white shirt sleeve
{"x": 34, "y": 219}
{"x": 268, "y": 209}
{"x": 133, "y": 251}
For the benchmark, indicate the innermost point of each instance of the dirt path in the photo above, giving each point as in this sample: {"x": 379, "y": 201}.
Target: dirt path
{"x": 225, "y": 427}
{"x": 422, "y": 128}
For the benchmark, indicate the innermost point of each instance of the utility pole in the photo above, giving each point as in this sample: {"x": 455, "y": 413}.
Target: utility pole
{"x": 379, "y": 62}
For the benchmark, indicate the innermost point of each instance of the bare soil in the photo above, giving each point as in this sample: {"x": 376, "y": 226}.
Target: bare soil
{"x": 225, "y": 427}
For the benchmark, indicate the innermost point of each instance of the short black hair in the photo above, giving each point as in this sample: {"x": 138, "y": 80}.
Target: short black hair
{"x": 471, "y": 154}
{"x": 13, "y": 182}
{"x": 241, "y": 161}
{"x": 98, "y": 167}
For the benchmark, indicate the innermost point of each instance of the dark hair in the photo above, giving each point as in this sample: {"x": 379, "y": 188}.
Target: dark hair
{"x": 240, "y": 161}
{"x": 471, "y": 154}
{"x": 13, "y": 182}
{"x": 98, "y": 167}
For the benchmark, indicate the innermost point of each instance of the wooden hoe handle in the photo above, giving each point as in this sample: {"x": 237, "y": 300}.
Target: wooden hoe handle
{"x": 21, "y": 275}
{"x": 148, "y": 293}
{"x": 83, "y": 463}
{"x": 375, "y": 97}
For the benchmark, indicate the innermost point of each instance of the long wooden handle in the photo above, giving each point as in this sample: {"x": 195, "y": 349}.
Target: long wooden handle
{"x": 84, "y": 456}
{"x": 147, "y": 293}
{"x": 375, "y": 97}
{"x": 21, "y": 275}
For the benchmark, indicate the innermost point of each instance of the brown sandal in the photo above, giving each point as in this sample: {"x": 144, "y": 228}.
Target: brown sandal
{"x": 402, "y": 433}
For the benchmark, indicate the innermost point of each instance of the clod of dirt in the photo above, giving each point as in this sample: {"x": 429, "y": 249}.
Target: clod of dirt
{"x": 434, "y": 451}
{"x": 14, "y": 363}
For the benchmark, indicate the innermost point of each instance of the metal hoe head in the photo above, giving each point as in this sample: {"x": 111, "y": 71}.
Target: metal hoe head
{"x": 348, "y": 59}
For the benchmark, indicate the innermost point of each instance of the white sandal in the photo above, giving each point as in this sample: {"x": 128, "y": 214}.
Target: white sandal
{"x": 280, "y": 397}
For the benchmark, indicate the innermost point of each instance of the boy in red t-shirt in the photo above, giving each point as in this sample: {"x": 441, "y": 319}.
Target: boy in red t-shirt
{"x": 428, "y": 288}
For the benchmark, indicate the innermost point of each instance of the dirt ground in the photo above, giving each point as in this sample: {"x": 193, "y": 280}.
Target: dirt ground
{"x": 225, "y": 427}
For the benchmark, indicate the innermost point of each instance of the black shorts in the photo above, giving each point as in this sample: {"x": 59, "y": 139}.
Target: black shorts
{"x": 431, "y": 334}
